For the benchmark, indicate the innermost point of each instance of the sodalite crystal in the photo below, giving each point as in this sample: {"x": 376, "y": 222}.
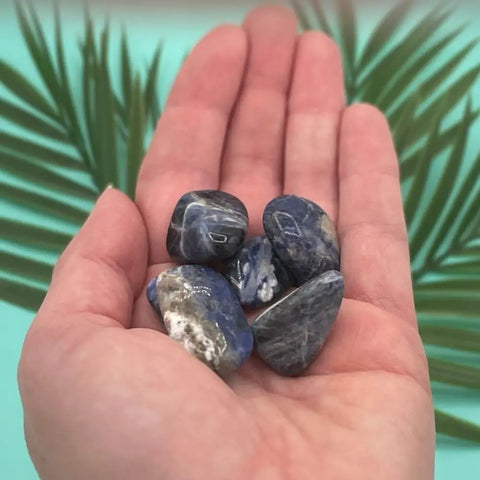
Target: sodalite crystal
{"x": 206, "y": 225}
{"x": 256, "y": 273}
{"x": 290, "y": 333}
{"x": 202, "y": 313}
{"x": 302, "y": 235}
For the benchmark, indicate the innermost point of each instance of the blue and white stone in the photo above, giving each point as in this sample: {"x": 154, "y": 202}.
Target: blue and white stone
{"x": 256, "y": 273}
{"x": 302, "y": 235}
{"x": 202, "y": 313}
{"x": 289, "y": 334}
{"x": 206, "y": 226}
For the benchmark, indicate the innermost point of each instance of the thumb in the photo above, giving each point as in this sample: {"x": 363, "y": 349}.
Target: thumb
{"x": 103, "y": 268}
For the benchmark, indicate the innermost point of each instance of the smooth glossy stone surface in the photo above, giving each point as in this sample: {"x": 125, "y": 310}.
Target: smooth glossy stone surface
{"x": 290, "y": 333}
{"x": 206, "y": 225}
{"x": 302, "y": 235}
{"x": 202, "y": 313}
{"x": 256, "y": 273}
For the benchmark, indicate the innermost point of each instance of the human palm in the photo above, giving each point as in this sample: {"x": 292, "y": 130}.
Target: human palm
{"x": 255, "y": 111}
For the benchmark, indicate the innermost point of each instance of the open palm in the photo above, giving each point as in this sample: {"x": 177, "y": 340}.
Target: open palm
{"x": 256, "y": 111}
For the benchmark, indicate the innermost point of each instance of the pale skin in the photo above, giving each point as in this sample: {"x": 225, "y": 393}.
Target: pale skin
{"x": 256, "y": 110}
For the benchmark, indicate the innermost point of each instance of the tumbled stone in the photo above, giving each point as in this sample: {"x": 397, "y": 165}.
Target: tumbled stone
{"x": 206, "y": 225}
{"x": 289, "y": 334}
{"x": 302, "y": 235}
{"x": 256, "y": 273}
{"x": 202, "y": 313}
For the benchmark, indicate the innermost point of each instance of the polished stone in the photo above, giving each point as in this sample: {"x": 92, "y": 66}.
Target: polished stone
{"x": 256, "y": 273}
{"x": 289, "y": 334}
{"x": 206, "y": 226}
{"x": 202, "y": 313}
{"x": 302, "y": 235}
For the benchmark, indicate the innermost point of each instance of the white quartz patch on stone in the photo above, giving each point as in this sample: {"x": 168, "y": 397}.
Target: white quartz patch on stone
{"x": 190, "y": 338}
{"x": 266, "y": 291}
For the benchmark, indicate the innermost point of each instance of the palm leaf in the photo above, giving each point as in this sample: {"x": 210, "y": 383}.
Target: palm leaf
{"x": 66, "y": 104}
{"x": 454, "y": 373}
{"x": 105, "y": 140}
{"x": 42, "y": 203}
{"x": 25, "y": 91}
{"x": 25, "y": 267}
{"x": 433, "y": 211}
{"x": 303, "y": 18}
{"x": 437, "y": 302}
{"x": 446, "y": 138}
{"x": 375, "y": 79}
{"x": 37, "y": 46}
{"x": 152, "y": 105}
{"x": 459, "y": 214}
{"x": 135, "y": 146}
{"x": 126, "y": 71}
{"x": 422, "y": 169}
{"x": 321, "y": 17}
{"x": 37, "y": 152}
{"x": 348, "y": 43}
{"x": 456, "y": 427}
{"x": 22, "y": 294}
{"x": 34, "y": 235}
{"x": 440, "y": 181}
{"x": 89, "y": 142}
{"x": 406, "y": 79}
{"x": 384, "y": 31}
{"x": 44, "y": 176}
{"x": 34, "y": 123}
{"x": 451, "y": 337}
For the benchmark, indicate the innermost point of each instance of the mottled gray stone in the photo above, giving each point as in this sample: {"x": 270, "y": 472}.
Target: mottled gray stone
{"x": 256, "y": 273}
{"x": 202, "y": 313}
{"x": 302, "y": 235}
{"x": 289, "y": 334}
{"x": 206, "y": 226}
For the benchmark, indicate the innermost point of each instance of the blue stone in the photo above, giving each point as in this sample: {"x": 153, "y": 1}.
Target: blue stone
{"x": 152, "y": 293}
{"x": 289, "y": 334}
{"x": 206, "y": 226}
{"x": 256, "y": 273}
{"x": 202, "y": 313}
{"x": 302, "y": 235}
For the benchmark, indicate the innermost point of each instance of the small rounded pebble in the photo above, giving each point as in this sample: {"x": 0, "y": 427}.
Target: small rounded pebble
{"x": 201, "y": 312}
{"x": 289, "y": 334}
{"x": 206, "y": 226}
{"x": 302, "y": 235}
{"x": 256, "y": 273}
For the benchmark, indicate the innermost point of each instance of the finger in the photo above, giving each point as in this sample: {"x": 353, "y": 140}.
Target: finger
{"x": 252, "y": 162}
{"x": 102, "y": 270}
{"x": 371, "y": 224}
{"x": 315, "y": 104}
{"x": 186, "y": 148}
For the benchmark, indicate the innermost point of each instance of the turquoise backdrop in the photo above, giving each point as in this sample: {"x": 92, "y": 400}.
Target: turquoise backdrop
{"x": 179, "y": 26}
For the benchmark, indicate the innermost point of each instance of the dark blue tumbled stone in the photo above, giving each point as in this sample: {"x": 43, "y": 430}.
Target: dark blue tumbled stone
{"x": 302, "y": 235}
{"x": 289, "y": 334}
{"x": 256, "y": 273}
{"x": 206, "y": 226}
{"x": 202, "y": 313}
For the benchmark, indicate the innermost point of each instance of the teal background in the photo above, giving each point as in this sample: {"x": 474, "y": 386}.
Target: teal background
{"x": 180, "y": 26}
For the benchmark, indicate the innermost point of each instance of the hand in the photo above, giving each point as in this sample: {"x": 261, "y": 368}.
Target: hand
{"x": 255, "y": 111}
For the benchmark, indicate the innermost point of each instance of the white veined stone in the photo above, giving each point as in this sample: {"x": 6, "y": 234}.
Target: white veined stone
{"x": 265, "y": 293}
{"x": 176, "y": 323}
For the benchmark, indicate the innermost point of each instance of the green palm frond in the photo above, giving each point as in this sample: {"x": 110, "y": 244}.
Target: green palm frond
{"x": 79, "y": 139}
{"x": 75, "y": 143}
{"x": 412, "y": 75}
